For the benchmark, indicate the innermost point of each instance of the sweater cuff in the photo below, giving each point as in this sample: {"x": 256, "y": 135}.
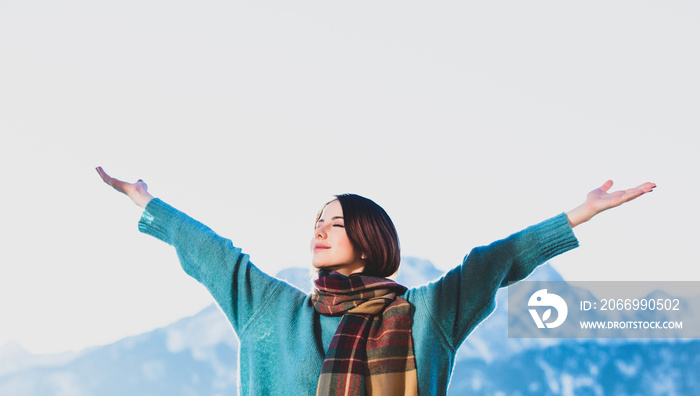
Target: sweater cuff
{"x": 555, "y": 237}
{"x": 158, "y": 219}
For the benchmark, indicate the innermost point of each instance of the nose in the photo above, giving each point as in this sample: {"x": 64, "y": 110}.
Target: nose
{"x": 320, "y": 232}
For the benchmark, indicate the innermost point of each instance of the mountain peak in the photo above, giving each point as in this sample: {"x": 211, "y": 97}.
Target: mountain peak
{"x": 12, "y": 349}
{"x": 412, "y": 272}
{"x": 545, "y": 272}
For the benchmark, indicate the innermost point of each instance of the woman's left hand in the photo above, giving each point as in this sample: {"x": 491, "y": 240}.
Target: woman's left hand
{"x": 600, "y": 199}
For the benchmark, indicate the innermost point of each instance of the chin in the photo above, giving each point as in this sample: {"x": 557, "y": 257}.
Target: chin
{"x": 326, "y": 266}
{"x": 320, "y": 266}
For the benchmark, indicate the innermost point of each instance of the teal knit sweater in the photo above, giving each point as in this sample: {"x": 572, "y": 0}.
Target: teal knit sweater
{"x": 283, "y": 339}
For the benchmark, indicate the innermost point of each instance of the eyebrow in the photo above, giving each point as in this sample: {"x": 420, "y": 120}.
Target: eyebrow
{"x": 332, "y": 218}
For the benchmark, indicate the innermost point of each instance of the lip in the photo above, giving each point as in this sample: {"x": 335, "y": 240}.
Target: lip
{"x": 319, "y": 246}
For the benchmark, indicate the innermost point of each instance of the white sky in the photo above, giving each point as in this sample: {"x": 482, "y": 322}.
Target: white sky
{"x": 466, "y": 122}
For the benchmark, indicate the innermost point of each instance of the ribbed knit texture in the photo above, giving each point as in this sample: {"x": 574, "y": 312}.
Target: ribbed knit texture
{"x": 283, "y": 339}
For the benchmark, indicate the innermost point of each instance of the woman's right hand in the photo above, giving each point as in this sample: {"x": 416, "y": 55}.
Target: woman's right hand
{"x": 138, "y": 192}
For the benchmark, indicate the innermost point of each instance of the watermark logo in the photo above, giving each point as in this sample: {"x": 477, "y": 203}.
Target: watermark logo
{"x": 562, "y": 309}
{"x": 543, "y": 299}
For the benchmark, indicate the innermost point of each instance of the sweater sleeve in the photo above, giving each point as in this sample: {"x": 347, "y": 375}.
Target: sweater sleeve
{"x": 240, "y": 289}
{"x": 465, "y": 296}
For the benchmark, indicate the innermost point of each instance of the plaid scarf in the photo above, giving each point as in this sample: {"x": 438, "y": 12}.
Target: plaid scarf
{"x": 372, "y": 350}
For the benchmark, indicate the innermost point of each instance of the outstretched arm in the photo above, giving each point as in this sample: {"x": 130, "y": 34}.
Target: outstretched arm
{"x": 241, "y": 289}
{"x": 465, "y": 296}
{"x": 138, "y": 192}
{"x": 600, "y": 200}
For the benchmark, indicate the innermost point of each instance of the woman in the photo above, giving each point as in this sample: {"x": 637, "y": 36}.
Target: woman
{"x": 358, "y": 332}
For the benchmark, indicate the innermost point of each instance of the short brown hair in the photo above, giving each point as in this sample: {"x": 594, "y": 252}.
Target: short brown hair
{"x": 372, "y": 233}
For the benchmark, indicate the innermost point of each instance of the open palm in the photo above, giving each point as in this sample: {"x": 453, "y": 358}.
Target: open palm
{"x": 138, "y": 192}
{"x": 600, "y": 200}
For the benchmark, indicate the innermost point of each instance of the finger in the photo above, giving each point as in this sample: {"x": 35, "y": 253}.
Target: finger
{"x": 633, "y": 193}
{"x": 101, "y": 172}
{"x": 647, "y": 187}
{"x": 116, "y": 184}
{"x": 642, "y": 188}
{"x": 105, "y": 177}
{"x": 606, "y": 186}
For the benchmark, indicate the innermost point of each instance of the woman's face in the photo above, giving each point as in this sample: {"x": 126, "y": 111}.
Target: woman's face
{"x": 330, "y": 247}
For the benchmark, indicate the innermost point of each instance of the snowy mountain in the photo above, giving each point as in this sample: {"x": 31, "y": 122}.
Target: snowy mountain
{"x": 198, "y": 356}
{"x": 587, "y": 368}
{"x": 194, "y": 356}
